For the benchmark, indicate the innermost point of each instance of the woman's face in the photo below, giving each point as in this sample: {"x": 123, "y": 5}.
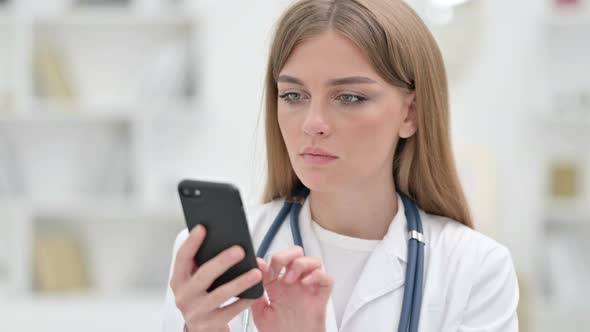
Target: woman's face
{"x": 339, "y": 119}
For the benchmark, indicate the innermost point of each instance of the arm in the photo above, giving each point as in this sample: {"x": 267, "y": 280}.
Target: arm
{"x": 172, "y": 320}
{"x": 494, "y": 296}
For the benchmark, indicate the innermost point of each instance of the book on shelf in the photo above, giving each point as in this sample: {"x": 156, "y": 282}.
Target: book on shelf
{"x": 51, "y": 78}
{"x": 59, "y": 263}
{"x": 113, "y": 173}
{"x": 11, "y": 182}
{"x": 5, "y": 102}
{"x": 4, "y": 272}
{"x": 168, "y": 75}
{"x": 153, "y": 259}
{"x": 84, "y": 3}
{"x": 564, "y": 180}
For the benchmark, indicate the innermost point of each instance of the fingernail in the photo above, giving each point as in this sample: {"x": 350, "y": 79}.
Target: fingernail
{"x": 199, "y": 229}
{"x": 236, "y": 252}
{"x": 252, "y": 275}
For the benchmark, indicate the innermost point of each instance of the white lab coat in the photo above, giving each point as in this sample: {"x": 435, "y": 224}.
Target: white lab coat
{"x": 469, "y": 279}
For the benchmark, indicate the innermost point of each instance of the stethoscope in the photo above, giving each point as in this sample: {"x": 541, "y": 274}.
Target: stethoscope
{"x": 410, "y": 314}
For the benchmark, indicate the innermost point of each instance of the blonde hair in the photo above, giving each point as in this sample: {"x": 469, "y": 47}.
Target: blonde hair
{"x": 404, "y": 53}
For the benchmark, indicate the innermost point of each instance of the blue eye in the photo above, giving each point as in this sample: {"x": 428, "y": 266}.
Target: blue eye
{"x": 292, "y": 97}
{"x": 349, "y": 99}
{"x": 345, "y": 99}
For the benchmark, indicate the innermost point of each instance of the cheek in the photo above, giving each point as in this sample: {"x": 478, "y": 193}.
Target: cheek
{"x": 288, "y": 125}
{"x": 371, "y": 138}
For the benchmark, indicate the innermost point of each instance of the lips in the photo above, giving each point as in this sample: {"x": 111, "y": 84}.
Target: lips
{"x": 317, "y": 156}
{"x": 317, "y": 152}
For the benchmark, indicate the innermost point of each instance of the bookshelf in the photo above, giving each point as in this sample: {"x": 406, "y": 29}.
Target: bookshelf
{"x": 96, "y": 107}
{"x": 561, "y": 136}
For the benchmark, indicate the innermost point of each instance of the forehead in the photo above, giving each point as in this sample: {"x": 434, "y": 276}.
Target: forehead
{"x": 326, "y": 56}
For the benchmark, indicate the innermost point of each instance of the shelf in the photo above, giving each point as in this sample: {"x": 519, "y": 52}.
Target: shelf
{"x": 564, "y": 121}
{"x": 561, "y": 317}
{"x": 130, "y": 312}
{"x": 107, "y": 210}
{"x": 82, "y": 210}
{"x": 114, "y": 18}
{"x": 92, "y": 296}
{"x": 567, "y": 20}
{"x": 564, "y": 217}
{"x": 13, "y": 118}
{"x": 80, "y": 105}
{"x": 6, "y": 18}
{"x": 47, "y": 111}
{"x": 569, "y": 130}
{"x": 98, "y": 165}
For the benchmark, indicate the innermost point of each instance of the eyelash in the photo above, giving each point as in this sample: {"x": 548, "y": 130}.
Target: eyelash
{"x": 360, "y": 99}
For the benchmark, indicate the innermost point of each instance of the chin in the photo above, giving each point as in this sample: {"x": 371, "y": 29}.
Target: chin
{"x": 318, "y": 181}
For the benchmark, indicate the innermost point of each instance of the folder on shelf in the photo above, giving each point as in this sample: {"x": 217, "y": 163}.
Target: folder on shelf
{"x": 50, "y": 76}
{"x": 11, "y": 176}
{"x": 564, "y": 180}
{"x": 58, "y": 263}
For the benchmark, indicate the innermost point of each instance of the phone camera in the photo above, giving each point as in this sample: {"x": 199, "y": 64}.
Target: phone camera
{"x": 191, "y": 192}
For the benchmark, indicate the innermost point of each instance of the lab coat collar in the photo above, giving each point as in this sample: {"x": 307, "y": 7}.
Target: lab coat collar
{"x": 383, "y": 272}
{"x": 396, "y": 239}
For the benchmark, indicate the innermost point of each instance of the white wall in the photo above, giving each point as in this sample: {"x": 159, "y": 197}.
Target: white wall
{"x": 235, "y": 42}
{"x": 491, "y": 105}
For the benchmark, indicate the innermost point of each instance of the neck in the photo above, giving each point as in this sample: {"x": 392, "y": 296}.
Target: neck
{"x": 364, "y": 211}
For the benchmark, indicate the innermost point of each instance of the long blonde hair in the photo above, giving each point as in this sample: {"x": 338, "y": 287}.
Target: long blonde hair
{"x": 404, "y": 53}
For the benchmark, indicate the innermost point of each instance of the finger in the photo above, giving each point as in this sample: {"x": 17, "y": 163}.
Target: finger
{"x": 235, "y": 287}
{"x": 216, "y": 266}
{"x": 228, "y": 312}
{"x": 265, "y": 269}
{"x": 262, "y": 264}
{"x": 301, "y": 266}
{"x": 184, "y": 263}
{"x": 282, "y": 259}
{"x": 318, "y": 278}
{"x": 260, "y": 305}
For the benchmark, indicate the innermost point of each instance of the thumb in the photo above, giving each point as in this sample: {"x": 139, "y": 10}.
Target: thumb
{"x": 266, "y": 276}
{"x": 259, "y": 305}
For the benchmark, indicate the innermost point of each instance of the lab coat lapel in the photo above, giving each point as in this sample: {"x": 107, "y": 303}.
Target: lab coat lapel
{"x": 313, "y": 249}
{"x": 384, "y": 271}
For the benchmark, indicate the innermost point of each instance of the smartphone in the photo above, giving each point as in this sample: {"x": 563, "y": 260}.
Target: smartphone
{"x": 218, "y": 207}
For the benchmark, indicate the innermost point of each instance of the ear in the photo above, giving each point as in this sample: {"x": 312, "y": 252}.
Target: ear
{"x": 410, "y": 122}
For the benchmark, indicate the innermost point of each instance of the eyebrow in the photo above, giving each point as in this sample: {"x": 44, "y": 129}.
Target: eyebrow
{"x": 332, "y": 82}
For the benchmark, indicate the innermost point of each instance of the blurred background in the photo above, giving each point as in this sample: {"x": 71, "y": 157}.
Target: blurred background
{"x": 106, "y": 104}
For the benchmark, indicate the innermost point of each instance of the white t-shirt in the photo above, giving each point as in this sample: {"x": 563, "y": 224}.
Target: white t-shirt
{"x": 344, "y": 258}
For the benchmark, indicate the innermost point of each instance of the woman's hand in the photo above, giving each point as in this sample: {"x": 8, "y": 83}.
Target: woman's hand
{"x": 298, "y": 298}
{"x": 201, "y": 310}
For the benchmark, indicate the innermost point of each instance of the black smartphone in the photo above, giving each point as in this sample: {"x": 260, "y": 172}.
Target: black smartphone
{"x": 218, "y": 207}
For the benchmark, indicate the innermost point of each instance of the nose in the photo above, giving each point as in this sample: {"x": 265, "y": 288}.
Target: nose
{"x": 315, "y": 120}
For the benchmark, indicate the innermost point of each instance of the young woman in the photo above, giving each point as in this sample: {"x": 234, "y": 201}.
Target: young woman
{"x": 357, "y": 117}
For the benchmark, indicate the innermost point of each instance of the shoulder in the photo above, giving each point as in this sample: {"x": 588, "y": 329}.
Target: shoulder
{"x": 457, "y": 241}
{"x": 472, "y": 270}
{"x": 261, "y": 215}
